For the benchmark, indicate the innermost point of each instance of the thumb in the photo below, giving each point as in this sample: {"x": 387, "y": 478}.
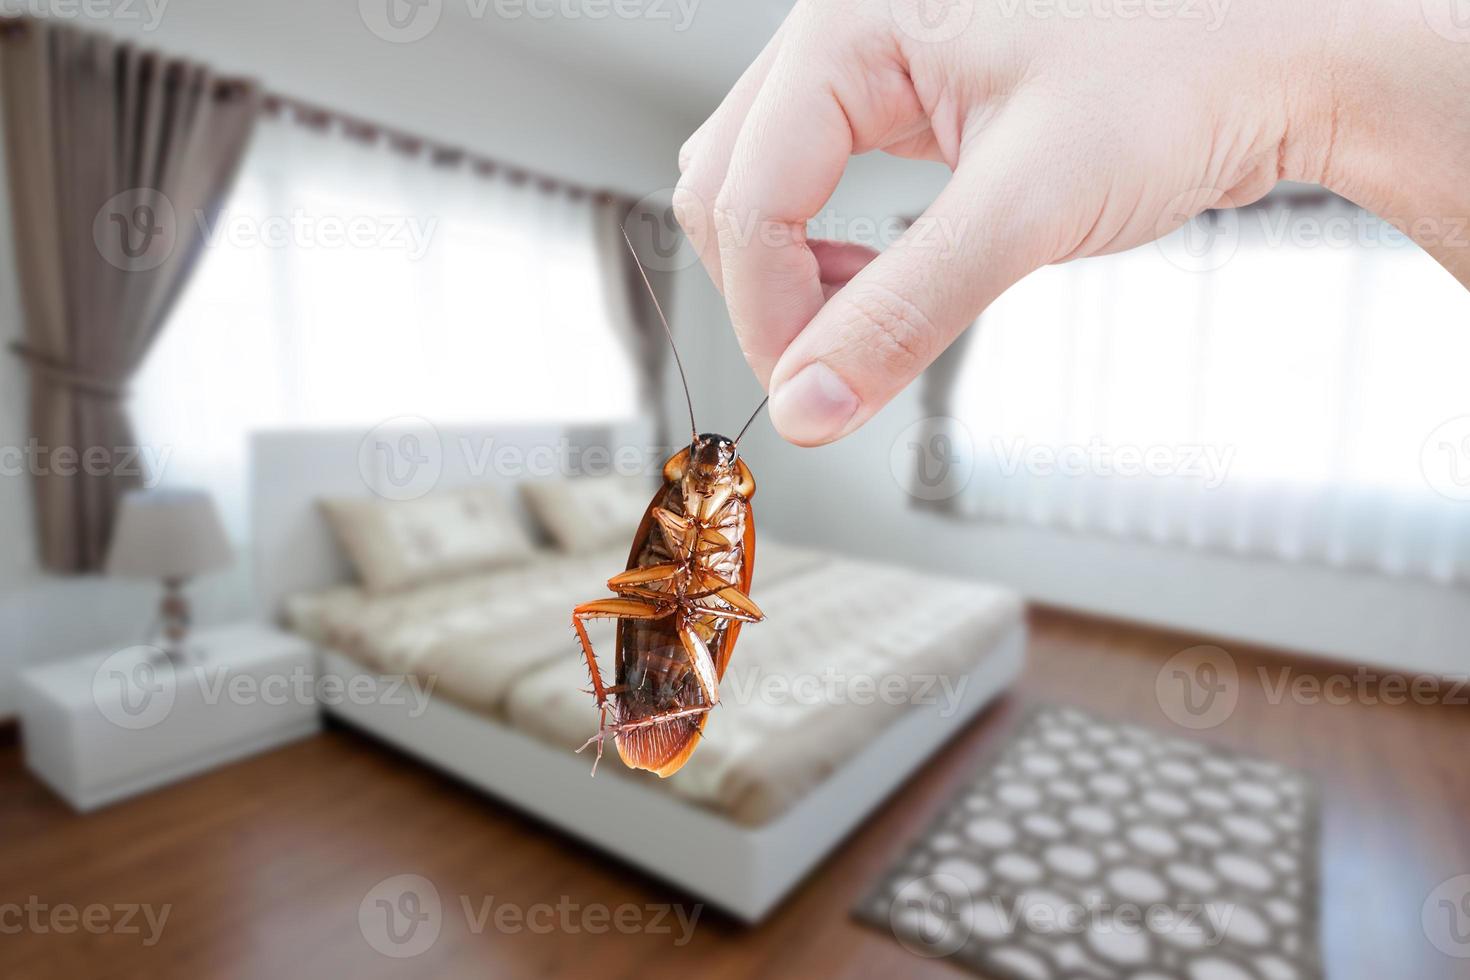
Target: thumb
{"x": 994, "y": 222}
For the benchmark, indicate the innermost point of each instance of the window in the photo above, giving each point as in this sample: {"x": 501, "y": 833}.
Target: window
{"x": 347, "y": 284}
{"x": 1285, "y": 380}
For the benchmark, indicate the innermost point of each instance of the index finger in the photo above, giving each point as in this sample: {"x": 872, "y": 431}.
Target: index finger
{"x": 784, "y": 167}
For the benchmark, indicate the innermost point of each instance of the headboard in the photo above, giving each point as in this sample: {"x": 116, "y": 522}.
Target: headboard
{"x": 292, "y": 548}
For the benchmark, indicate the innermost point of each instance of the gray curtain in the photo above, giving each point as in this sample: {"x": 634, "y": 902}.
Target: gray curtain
{"x": 651, "y": 229}
{"x": 118, "y": 158}
{"x": 936, "y": 396}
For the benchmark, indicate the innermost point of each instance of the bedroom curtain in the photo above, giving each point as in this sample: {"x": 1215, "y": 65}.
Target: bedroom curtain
{"x": 115, "y": 157}
{"x": 630, "y": 308}
{"x": 1285, "y": 382}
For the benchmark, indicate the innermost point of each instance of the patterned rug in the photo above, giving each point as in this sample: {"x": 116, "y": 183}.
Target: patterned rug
{"x": 1090, "y": 849}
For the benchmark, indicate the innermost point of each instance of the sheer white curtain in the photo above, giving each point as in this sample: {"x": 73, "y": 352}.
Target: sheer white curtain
{"x": 1289, "y": 382}
{"x": 349, "y": 283}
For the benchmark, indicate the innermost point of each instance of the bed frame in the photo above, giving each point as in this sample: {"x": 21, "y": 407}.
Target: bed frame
{"x": 744, "y": 870}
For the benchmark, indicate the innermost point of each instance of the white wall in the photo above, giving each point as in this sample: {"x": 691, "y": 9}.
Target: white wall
{"x": 463, "y": 84}
{"x": 845, "y": 497}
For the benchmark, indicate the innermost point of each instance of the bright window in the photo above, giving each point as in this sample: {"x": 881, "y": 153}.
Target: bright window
{"x": 1285, "y": 381}
{"x": 347, "y": 284}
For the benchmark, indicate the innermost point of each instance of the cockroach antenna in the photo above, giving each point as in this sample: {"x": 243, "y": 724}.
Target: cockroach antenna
{"x": 693, "y": 429}
{"x": 751, "y": 419}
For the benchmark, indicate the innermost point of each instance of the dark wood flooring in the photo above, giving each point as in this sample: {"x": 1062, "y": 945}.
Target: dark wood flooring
{"x": 264, "y": 863}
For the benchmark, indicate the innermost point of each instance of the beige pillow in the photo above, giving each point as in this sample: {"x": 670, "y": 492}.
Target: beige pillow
{"x": 589, "y": 513}
{"x": 395, "y": 544}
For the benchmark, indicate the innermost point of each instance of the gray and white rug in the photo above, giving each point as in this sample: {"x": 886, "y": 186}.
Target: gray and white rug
{"x": 1090, "y": 849}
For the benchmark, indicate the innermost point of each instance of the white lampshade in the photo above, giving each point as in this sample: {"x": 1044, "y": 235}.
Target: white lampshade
{"x": 167, "y": 534}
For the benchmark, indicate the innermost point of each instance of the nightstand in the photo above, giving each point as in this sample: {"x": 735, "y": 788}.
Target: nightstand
{"x": 111, "y": 724}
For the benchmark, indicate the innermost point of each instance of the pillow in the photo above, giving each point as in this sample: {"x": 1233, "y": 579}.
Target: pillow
{"x": 395, "y": 544}
{"x": 589, "y": 513}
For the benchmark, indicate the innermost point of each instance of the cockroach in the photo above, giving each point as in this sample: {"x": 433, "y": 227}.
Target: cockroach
{"x": 680, "y": 602}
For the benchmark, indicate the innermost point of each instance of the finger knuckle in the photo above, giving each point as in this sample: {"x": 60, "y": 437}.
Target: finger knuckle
{"x": 897, "y": 329}
{"x": 727, "y": 221}
{"x": 690, "y": 209}
{"x": 686, "y": 153}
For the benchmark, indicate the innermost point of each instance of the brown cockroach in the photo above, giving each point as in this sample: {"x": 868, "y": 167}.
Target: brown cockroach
{"x": 681, "y": 601}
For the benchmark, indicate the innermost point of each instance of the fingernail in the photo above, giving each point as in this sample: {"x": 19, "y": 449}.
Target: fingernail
{"x": 813, "y": 406}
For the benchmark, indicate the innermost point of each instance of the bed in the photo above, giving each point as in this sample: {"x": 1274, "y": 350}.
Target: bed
{"x": 860, "y": 671}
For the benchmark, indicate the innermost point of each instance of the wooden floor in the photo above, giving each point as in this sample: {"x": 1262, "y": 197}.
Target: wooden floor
{"x": 264, "y": 863}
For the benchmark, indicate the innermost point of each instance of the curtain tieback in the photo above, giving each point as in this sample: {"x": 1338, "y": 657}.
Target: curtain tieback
{"x": 66, "y": 376}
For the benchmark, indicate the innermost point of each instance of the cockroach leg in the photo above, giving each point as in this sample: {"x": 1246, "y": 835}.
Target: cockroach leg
{"x": 742, "y": 602}
{"x": 700, "y": 661}
{"x": 621, "y": 608}
{"x": 610, "y": 609}
{"x": 735, "y": 614}
{"x": 645, "y": 576}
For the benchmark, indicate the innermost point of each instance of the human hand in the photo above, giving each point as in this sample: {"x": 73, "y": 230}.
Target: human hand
{"x": 1067, "y": 135}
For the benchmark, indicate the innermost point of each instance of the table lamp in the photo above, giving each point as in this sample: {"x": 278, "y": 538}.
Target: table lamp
{"x": 171, "y": 536}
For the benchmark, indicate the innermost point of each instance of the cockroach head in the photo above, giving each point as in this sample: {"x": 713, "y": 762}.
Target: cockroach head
{"x": 712, "y": 454}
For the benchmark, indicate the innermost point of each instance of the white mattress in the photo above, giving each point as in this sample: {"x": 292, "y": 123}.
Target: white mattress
{"x": 847, "y": 647}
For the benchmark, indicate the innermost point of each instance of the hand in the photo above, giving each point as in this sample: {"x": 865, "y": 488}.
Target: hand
{"x": 1067, "y": 136}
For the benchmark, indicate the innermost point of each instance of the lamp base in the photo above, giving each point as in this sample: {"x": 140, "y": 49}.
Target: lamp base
{"x": 172, "y": 626}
